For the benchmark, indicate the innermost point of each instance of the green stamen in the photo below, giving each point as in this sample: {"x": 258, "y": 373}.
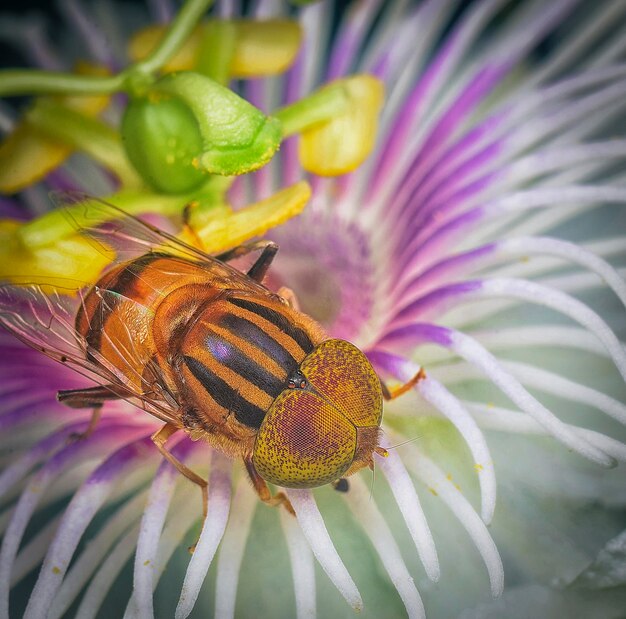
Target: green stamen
{"x": 321, "y": 106}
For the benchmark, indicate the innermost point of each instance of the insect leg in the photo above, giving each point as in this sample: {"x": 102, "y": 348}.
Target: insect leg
{"x": 244, "y": 250}
{"x": 88, "y": 398}
{"x": 159, "y": 438}
{"x": 92, "y": 397}
{"x": 258, "y": 270}
{"x": 264, "y": 492}
{"x": 392, "y": 394}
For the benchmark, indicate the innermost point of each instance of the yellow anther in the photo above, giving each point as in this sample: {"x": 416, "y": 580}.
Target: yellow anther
{"x": 264, "y": 48}
{"x": 260, "y": 47}
{"x": 72, "y": 258}
{"x": 342, "y": 144}
{"x": 232, "y": 228}
{"x": 27, "y": 155}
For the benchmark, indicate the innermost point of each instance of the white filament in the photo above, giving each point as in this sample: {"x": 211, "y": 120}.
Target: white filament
{"x": 542, "y": 380}
{"x": 563, "y": 303}
{"x": 84, "y": 505}
{"x": 159, "y": 498}
{"x": 105, "y": 577}
{"x": 369, "y": 517}
{"x": 315, "y": 532}
{"x": 180, "y": 520}
{"x": 568, "y": 389}
{"x": 430, "y": 474}
{"x": 33, "y": 552}
{"x": 211, "y": 535}
{"x": 99, "y": 546}
{"x": 411, "y": 510}
{"x": 557, "y": 196}
{"x": 542, "y": 264}
{"x": 569, "y": 251}
{"x": 232, "y": 549}
{"x": 437, "y": 395}
{"x": 578, "y": 42}
{"x": 506, "y": 420}
{"x": 563, "y": 157}
{"x": 483, "y": 359}
{"x": 302, "y": 567}
{"x": 531, "y": 336}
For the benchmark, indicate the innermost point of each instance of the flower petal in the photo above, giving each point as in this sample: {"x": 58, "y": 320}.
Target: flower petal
{"x": 232, "y": 548}
{"x": 377, "y": 530}
{"x": 314, "y": 530}
{"x": 211, "y": 535}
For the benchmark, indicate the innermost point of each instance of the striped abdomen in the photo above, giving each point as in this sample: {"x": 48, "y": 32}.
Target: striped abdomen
{"x": 116, "y": 316}
{"x": 236, "y": 357}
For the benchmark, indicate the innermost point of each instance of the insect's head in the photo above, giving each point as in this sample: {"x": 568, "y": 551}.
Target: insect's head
{"x": 325, "y": 422}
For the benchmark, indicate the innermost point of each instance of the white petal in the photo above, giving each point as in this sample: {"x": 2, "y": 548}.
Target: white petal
{"x": 314, "y": 530}
{"x": 369, "y": 517}
{"x": 211, "y": 535}
{"x": 232, "y": 548}
{"x": 408, "y": 502}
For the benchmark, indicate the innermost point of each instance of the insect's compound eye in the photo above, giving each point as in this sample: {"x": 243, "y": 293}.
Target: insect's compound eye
{"x": 303, "y": 441}
{"x": 342, "y": 374}
{"x": 309, "y": 436}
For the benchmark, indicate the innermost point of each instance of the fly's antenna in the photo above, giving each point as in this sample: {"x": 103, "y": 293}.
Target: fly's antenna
{"x": 409, "y": 440}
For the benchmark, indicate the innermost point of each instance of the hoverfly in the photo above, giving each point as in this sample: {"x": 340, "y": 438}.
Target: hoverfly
{"x": 206, "y": 349}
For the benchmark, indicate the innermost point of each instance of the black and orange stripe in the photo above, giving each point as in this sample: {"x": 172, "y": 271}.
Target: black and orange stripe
{"x": 241, "y": 352}
{"x": 226, "y": 350}
{"x": 105, "y": 298}
{"x": 115, "y": 317}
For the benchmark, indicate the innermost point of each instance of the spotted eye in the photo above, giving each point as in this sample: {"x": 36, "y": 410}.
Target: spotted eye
{"x": 327, "y": 415}
{"x": 341, "y": 373}
{"x": 303, "y": 441}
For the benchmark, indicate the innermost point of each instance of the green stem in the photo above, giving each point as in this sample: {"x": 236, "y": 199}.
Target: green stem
{"x": 321, "y": 106}
{"x": 217, "y": 48}
{"x": 178, "y": 32}
{"x": 90, "y": 135}
{"x": 33, "y": 82}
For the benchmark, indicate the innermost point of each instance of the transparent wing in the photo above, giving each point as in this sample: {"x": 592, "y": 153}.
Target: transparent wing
{"x": 45, "y": 321}
{"x": 122, "y": 237}
{"x": 42, "y": 311}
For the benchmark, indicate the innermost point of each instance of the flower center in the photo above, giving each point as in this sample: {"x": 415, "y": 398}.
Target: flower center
{"x": 327, "y": 263}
